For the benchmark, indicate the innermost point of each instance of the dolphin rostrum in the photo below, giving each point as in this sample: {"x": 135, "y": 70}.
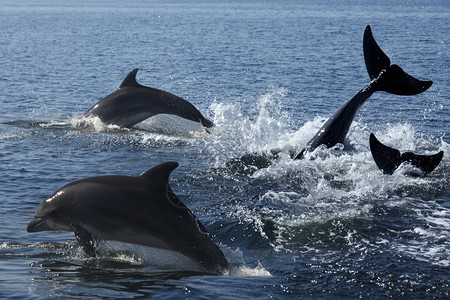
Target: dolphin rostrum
{"x": 133, "y": 103}
{"x": 389, "y": 159}
{"x": 384, "y": 77}
{"x": 139, "y": 210}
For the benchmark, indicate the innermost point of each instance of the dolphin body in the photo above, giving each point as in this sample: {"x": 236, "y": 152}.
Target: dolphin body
{"x": 389, "y": 159}
{"x": 133, "y": 103}
{"x": 384, "y": 77}
{"x": 139, "y": 210}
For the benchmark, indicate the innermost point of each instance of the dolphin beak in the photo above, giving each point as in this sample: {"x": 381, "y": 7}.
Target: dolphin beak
{"x": 38, "y": 224}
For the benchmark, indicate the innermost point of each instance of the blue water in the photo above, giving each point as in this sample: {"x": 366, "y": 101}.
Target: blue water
{"x": 268, "y": 73}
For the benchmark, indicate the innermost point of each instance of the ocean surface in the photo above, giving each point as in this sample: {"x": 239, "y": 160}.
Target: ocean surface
{"x": 268, "y": 74}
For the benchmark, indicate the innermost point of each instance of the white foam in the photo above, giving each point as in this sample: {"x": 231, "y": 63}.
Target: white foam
{"x": 239, "y": 132}
{"x": 93, "y": 124}
{"x": 245, "y": 271}
{"x": 54, "y": 123}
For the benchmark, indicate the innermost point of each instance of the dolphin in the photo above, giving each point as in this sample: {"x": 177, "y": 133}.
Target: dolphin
{"x": 133, "y": 103}
{"x": 384, "y": 77}
{"x": 139, "y": 210}
{"x": 389, "y": 159}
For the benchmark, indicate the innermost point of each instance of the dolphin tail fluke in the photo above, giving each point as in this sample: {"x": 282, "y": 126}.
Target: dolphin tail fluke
{"x": 426, "y": 163}
{"x": 389, "y": 159}
{"x": 393, "y": 80}
{"x": 398, "y": 82}
{"x": 376, "y": 60}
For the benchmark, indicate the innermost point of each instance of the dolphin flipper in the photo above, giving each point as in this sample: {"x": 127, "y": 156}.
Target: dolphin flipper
{"x": 206, "y": 124}
{"x": 389, "y": 159}
{"x": 393, "y": 80}
{"x": 86, "y": 241}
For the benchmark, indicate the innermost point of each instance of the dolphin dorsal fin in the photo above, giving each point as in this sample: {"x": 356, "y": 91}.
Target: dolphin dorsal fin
{"x": 158, "y": 177}
{"x": 159, "y": 174}
{"x": 130, "y": 79}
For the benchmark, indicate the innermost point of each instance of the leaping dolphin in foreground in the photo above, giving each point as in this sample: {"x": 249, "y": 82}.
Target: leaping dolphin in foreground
{"x": 140, "y": 210}
{"x": 384, "y": 77}
{"x": 389, "y": 159}
{"x": 133, "y": 103}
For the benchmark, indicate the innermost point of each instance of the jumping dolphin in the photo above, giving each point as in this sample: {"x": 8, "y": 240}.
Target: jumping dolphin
{"x": 139, "y": 210}
{"x": 133, "y": 103}
{"x": 389, "y": 159}
{"x": 384, "y": 77}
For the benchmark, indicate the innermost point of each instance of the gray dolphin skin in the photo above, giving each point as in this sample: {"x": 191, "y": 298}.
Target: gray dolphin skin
{"x": 384, "y": 77}
{"x": 389, "y": 159}
{"x": 139, "y": 210}
{"x": 133, "y": 103}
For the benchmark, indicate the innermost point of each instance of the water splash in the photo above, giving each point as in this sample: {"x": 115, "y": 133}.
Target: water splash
{"x": 329, "y": 190}
{"x": 88, "y": 124}
{"x": 245, "y": 271}
{"x": 242, "y": 128}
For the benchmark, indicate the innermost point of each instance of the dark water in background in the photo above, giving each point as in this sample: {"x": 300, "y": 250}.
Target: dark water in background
{"x": 268, "y": 74}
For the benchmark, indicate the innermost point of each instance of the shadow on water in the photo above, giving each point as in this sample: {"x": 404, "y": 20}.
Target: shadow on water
{"x": 62, "y": 270}
{"x": 100, "y": 278}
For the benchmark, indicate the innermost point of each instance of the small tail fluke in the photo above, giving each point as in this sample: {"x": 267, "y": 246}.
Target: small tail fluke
{"x": 426, "y": 163}
{"x": 390, "y": 78}
{"x": 389, "y": 159}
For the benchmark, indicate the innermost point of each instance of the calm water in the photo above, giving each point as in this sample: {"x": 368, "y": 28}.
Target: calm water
{"x": 268, "y": 73}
